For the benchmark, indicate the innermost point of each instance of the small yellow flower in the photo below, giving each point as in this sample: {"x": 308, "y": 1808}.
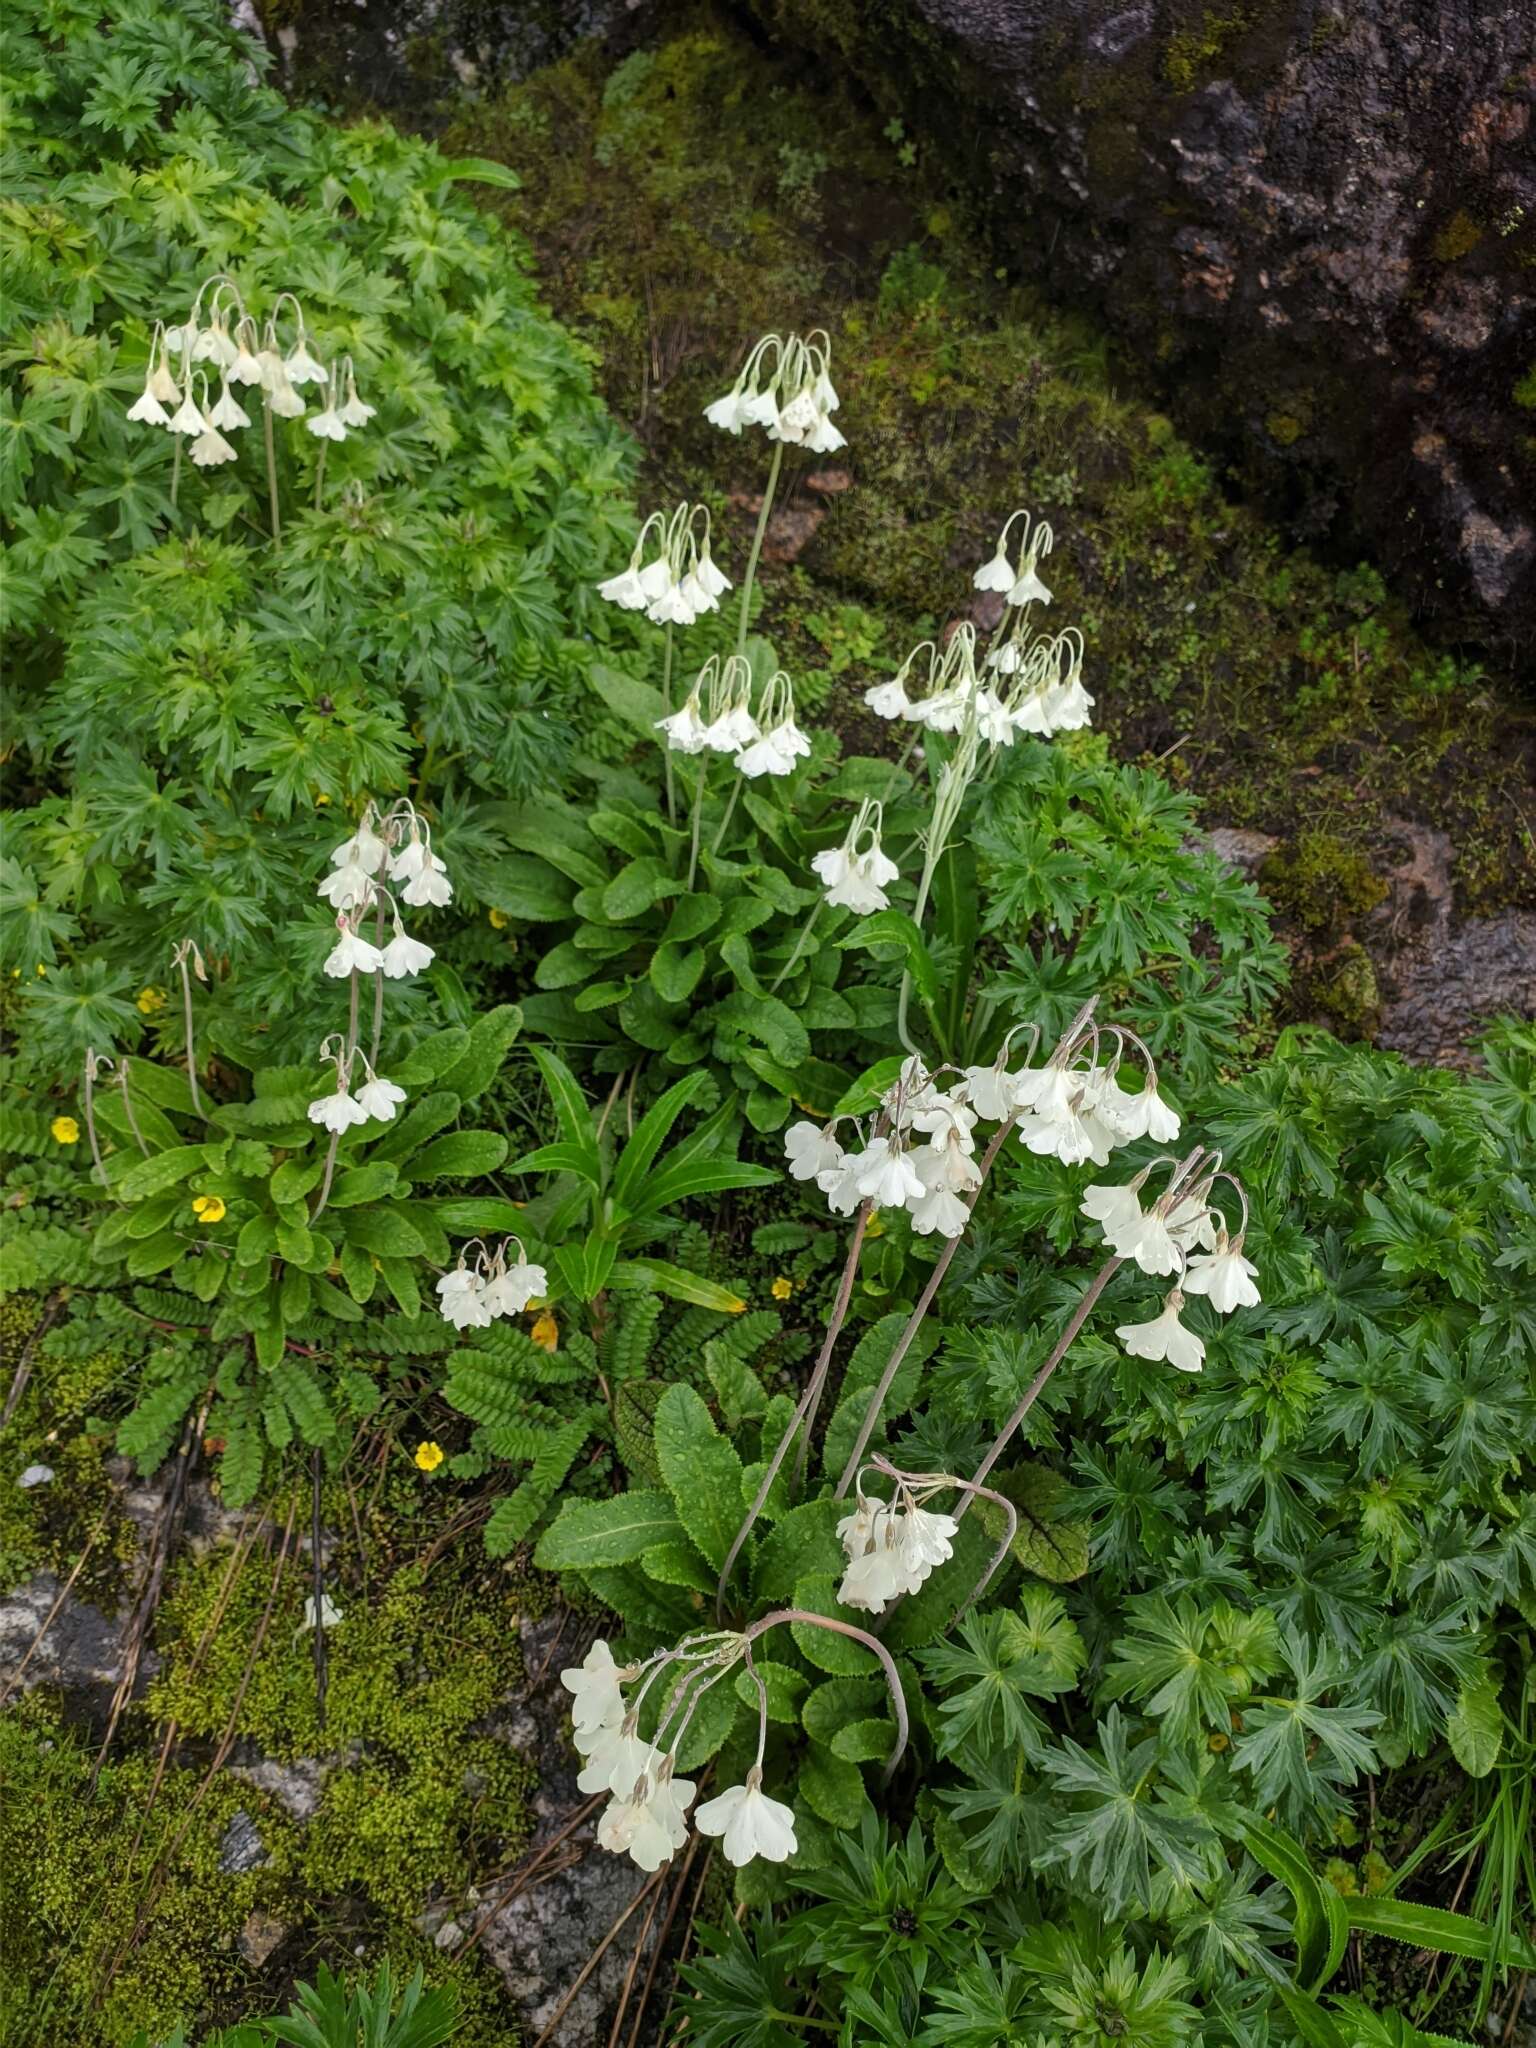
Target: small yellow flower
{"x": 499, "y": 920}
{"x": 322, "y": 798}
{"x": 782, "y": 1288}
{"x": 64, "y": 1131}
{"x": 41, "y": 970}
{"x": 429, "y": 1456}
{"x": 149, "y": 1000}
{"x": 545, "y": 1332}
{"x": 208, "y": 1208}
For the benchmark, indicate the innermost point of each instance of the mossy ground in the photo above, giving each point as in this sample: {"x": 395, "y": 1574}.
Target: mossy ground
{"x": 706, "y": 188}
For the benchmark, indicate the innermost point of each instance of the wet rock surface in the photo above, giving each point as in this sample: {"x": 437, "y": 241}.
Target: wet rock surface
{"x": 79, "y": 1647}
{"x": 1314, "y": 223}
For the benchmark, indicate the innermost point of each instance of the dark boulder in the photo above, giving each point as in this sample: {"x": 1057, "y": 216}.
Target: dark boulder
{"x": 1313, "y": 222}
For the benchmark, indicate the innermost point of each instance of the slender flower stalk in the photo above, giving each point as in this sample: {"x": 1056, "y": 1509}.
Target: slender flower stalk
{"x": 807, "y": 1402}
{"x": 186, "y": 949}
{"x": 769, "y": 488}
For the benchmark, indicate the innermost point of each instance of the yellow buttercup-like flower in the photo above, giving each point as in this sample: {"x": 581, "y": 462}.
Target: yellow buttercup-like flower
{"x": 782, "y": 1288}
{"x": 149, "y": 1000}
{"x": 208, "y": 1208}
{"x": 64, "y": 1131}
{"x": 429, "y": 1456}
{"x": 499, "y": 920}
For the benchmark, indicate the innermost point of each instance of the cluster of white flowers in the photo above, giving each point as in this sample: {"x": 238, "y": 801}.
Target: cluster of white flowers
{"x": 892, "y": 1545}
{"x": 717, "y": 716}
{"x": 681, "y": 580}
{"x": 647, "y": 1802}
{"x": 1179, "y": 1234}
{"x": 1043, "y": 692}
{"x": 397, "y": 848}
{"x": 785, "y": 387}
{"x": 854, "y": 874}
{"x": 471, "y": 1297}
{"x": 224, "y": 341}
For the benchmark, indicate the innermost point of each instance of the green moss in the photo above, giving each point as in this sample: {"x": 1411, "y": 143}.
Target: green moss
{"x": 1525, "y": 390}
{"x": 1191, "y": 52}
{"x": 1347, "y": 990}
{"x": 1284, "y": 427}
{"x": 1460, "y": 234}
{"x": 1320, "y": 882}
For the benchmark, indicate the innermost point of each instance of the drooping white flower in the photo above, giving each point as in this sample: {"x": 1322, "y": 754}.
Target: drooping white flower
{"x": 1028, "y": 588}
{"x": 855, "y": 1532}
{"x": 824, "y": 438}
{"x": 997, "y": 574}
{"x": 228, "y": 413}
{"x": 1165, "y": 1338}
{"x": 461, "y": 1297}
{"x": 684, "y": 728}
{"x": 749, "y": 1823}
{"x": 210, "y": 449}
{"x": 147, "y": 410}
{"x": 775, "y": 753}
{"x": 1224, "y": 1277}
{"x": 616, "y": 1759}
{"x": 596, "y": 1700}
{"x": 875, "y": 1579}
{"x": 347, "y": 888}
{"x": 284, "y": 399}
{"x": 1190, "y": 1222}
{"x": 948, "y": 1161}
{"x": 365, "y": 850}
{"x": 625, "y": 590}
{"x": 337, "y": 1112}
{"x": 889, "y": 699}
{"x": 246, "y": 367}
{"x": 351, "y": 954}
{"x": 991, "y": 1091}
{"x": 938, "y": 1209}
{"x": 355, "y": 412}
{"x": 509, "y": 1293}
{"x": 712, "y": 577}
{"x": 840, "y": 1183}
{"x": 1147, "y": 1240}
{"x": 887, "y": 1177}
{"x": 1116, "y": 1209}
{"x": 424, "y": 875}
{"x": 381, "y": 1097}
{"x": 672, "y": 608}
{"x": 649, "y": 1826}
{"x": 405, "y": 955}
{"x": 159, "y": 381}
{"x": 302, "y": 366}
{"x": 810, "y": 1150}
{"x": 188, "y": 417}
{"x": 326, "y": 425}
{"x": 926, "y": 1540}
{"x": 728, "y": 413}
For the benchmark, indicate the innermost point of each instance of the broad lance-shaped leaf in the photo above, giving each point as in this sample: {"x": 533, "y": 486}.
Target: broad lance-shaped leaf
{"x": 701, "y": 1471}
{"x": 607, "y": 1532}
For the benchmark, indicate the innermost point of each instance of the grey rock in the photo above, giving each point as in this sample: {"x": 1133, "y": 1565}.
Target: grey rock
{"x": 242, "y": 1848}
{"x": 296, "y": 1787}
{"x": 1324, "y": 212}
{"x": 36, "y": 1475}
{"x": 81, "y": 1647}
{"x": 1240, "y": 849}
{"x": 541, "y": 1939}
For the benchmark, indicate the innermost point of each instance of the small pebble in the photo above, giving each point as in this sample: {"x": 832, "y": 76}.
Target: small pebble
{"x": 36, "y": 1475}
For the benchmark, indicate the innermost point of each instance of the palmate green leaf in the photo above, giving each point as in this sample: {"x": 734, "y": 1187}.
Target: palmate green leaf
{"x": 1295, "y": 1748}
{"x": 1172, "y": 1663}
{"x": 1120, "y": 1829}
{"x": 990, "y": 1673}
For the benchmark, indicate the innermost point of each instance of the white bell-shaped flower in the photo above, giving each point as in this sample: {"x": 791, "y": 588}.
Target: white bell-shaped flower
{"x": 380, "y": 1097}
{"x": 887, "y": 1177}
{"x": 365, "y": 850}
{"x": 1117, "y": 1210}
{"x": 1028, "y": 589}
{"x": 304, "y": 367}
{"x": 810, "y": 1151}
{"x": 461, "y": 1298}
{"x": 1164, "y": 1339}
{"x": 938, "y": 1209}
{"x": 147, "y": 410}
{"x": 926, "y": 1540}
{"x": 625, "y": 590}
{"x": 1224, "y": 1277}
{"x": 649, "y": 1826}
{"x": 351, "y": 954}
{"x": 348, "y": 888}
{"x": 596, "y": 1700}
{"x": 749, "y": 1823}
{"x": 337, "y": 1112}
{"x": 684, "y": 729}
{"x": 509, "y": 1293}
{"x": 998, "y": 574}
{"x": 405, "y": 955}
{"x": 615, "y": 1761}
{"x": 711, "y": 577}
{"x": 228, "y": 413}
{"x": 840, "y": 1183}
{"x": 188, "y": 417}
{"x": 889, "y": 699}
{"x": 210, "y": 449}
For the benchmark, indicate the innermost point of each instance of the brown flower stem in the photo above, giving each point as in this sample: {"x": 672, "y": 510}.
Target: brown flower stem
{"x": 807, "y": 1400}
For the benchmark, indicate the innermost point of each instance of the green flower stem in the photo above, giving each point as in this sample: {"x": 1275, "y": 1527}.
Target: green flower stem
{"x": 320, "y": 476}
{"x": 915, "y": 1322}
{"x": 266, "y": 432}
{"x": 186, "y": 1011}
{"x": 175, "y": 471}
{"x": 698, "y": 814}
{"x": 346, "y": 1071}
{"x": 666, "y": 712}
{"x": 800, "y": 944}
{"x": 808, "y": 1399}
{"x": 714, "y": 844}
{"x": 757, "y": 547}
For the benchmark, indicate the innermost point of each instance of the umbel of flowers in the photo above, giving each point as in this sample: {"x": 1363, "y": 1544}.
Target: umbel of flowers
{"x": 220, "y": 344}
{"x": 681, "y": 581}
{"x": 646, "y": 1816}
{"x": 388, "y": 861}
{"x": 472, "y": 1296}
